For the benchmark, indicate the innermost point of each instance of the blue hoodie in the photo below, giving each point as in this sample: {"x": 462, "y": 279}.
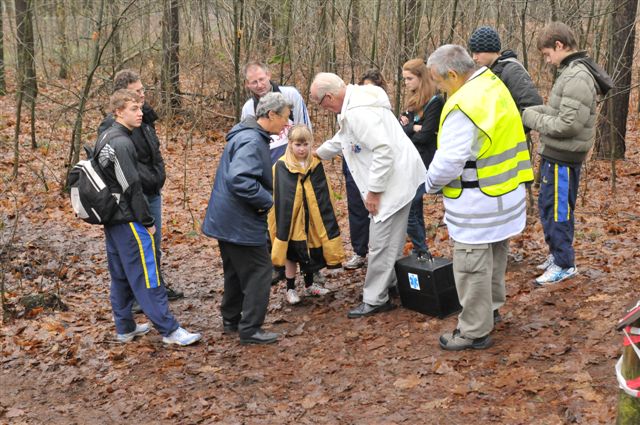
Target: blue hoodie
{"x": 242, "y": 190}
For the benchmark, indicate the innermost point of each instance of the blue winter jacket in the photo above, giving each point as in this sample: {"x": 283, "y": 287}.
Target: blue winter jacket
{"x": 242, "y": 191}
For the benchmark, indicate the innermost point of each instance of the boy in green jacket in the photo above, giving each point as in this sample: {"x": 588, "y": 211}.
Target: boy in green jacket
{"x": 567, "y": 129}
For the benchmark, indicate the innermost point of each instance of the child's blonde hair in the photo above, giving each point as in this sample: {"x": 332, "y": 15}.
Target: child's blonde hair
{"x": 299, "y": 132}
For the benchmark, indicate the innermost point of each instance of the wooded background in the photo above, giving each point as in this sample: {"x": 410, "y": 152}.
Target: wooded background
{"x": 190, "y": 52}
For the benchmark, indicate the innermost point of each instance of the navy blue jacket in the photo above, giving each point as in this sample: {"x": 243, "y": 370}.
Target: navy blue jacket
{"x": 243, "y": 187}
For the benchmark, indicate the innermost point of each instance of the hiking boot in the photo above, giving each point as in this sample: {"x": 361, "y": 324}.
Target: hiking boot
{"x": 355, "y": 262}
{"x": 259, "y": 337}
{"x": 173, "y": 294}
{"x": 139, "y": 330}
{"x": 555, "y": 274}
{"x": 547, "y": 263}
{"x": 292, "y": 296}
{"x": 181, "y": 337}
{"x": 454, "y": 341}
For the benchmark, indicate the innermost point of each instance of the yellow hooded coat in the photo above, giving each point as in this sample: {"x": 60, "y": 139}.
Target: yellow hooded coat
{"x": 302, "y": 223}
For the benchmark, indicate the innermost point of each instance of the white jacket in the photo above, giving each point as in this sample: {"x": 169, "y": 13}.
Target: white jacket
{"x": 473, "y": 218}
{"x": 379, "y": 154}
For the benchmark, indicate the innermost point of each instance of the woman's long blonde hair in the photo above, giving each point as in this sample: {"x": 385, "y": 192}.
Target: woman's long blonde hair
{"x": 298, "y": 132}
{"x": 418, "y": 98}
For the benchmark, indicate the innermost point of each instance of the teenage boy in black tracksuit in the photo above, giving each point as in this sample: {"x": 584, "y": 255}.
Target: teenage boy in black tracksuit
{"x": 150, "y": 162}
{"x": 129, "y": 233}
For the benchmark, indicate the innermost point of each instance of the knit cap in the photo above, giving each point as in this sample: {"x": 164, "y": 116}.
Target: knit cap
{"x": 484, "y": 39}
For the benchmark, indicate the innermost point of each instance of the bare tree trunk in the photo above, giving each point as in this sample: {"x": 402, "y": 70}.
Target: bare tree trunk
{"x": 610, "y": 140}
{"x": 523, "y": 35}
{"x": 170, "y": 57}
{"x": 61, "y": 12}
{"x": 410, "y": 28}
{"x": 453, "y": 21}
{"x": 376, "y": 23}
{"x": 402, "y": 57}
{"x": 26, "y": 58}
{"x": 3, "y": 86}
{"x": 115, "y": 43}
{"x": 238, "y": 13}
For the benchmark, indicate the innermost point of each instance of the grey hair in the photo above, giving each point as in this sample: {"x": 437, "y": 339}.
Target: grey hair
{"x": 327, "y": 82}
{"x": 451, "y": 57}
{"x": 272, "y": 102}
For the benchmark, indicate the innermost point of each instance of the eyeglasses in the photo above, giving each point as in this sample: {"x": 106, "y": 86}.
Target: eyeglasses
{"x": 322, "y": 100}
{"x": 257, "y": 82}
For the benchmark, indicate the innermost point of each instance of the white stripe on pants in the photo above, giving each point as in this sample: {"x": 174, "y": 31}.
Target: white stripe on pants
{"x": 386, "y": 241}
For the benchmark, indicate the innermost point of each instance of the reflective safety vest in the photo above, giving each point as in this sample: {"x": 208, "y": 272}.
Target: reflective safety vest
{"x": 503, "y": 161}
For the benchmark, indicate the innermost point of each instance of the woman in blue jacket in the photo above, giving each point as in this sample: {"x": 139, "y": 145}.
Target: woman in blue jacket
{"x": 237, "y": 218}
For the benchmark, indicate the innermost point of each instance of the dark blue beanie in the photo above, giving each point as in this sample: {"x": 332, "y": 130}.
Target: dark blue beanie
{"x": 484, "y": 39}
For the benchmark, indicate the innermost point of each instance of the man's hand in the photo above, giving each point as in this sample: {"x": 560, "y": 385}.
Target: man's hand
{"x": 152, "y": 229}
{"x": 372, "y": 202}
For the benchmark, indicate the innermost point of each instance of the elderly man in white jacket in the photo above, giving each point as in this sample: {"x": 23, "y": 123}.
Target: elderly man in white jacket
{"x": 386, "y": 168}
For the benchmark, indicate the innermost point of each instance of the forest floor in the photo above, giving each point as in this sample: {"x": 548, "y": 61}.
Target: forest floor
{"x": 552, "y": 362}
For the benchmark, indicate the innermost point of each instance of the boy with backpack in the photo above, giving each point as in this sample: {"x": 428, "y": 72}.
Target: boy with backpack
{"x": 129, "y": 232}
{"x": 567, "y": 129}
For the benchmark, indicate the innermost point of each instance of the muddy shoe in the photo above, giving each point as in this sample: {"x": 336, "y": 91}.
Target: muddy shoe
{"x": 173, "y": 294}
{"x": 355, "y": 262}
{"x": 135, "y": 308}
{"x": 454, "y": 341}
{"x": 138, "y": 331}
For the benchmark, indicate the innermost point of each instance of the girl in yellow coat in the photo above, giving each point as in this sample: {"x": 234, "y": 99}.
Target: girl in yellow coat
{"x": 302, "y": 223}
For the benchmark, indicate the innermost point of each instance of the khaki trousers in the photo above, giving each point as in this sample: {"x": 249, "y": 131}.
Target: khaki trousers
{"x": 479, "y": 273}
{"x": 386, "y": 241}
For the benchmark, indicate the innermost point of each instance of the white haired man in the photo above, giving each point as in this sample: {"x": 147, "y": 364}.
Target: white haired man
{"x": 481, "y": 166}
{"x": 385, "y": 166}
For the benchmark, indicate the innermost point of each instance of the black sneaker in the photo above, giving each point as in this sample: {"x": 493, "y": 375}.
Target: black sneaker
{"x": 174, "y": 295}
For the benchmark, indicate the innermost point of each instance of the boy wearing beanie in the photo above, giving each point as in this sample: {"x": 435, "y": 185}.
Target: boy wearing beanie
{"x": 485, "y": 46}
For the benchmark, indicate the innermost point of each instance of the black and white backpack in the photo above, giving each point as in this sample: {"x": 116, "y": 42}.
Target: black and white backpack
{"x": 91, "y": 198}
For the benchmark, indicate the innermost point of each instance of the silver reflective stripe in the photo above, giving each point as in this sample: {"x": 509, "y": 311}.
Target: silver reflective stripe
{"x": 456, "y": 184}
{"x": 501, "y": 212}
{"x": 486, "y": 225}
{"x": 94, "y": 178}
{"x": 507, "y": 175}
{"x": 504, "y": 156}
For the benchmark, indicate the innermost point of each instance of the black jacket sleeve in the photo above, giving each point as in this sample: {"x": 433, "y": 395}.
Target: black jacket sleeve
{"x": 426, "y": 140}
{"x": 519, "y": 83}
{"x": 126, "y": 171}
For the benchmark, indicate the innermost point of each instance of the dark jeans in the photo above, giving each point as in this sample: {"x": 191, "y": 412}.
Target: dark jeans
{"x": 155, "y": 207}
{"x": 358, "y": 215}
{"x": 415, "y": 224}
{"x": 247, "y": 284}
{"x": 556, "y": 204}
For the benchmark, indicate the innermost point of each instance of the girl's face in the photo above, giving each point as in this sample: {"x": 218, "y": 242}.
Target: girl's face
{"x": 410, "y": 80}
{"x": 300, "y": 149}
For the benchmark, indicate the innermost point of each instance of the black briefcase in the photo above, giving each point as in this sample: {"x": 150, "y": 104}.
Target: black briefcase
{"x": 426, "y": 285}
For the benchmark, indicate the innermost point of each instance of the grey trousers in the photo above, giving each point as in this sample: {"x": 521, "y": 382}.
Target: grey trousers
{"x": 386, "y": 241}
{"x": 479, "y": 273}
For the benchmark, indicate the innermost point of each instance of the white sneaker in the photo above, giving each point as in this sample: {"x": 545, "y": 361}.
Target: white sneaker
{"x": 555, "y": 274}
{"x": 318, "y": 278}
{"x": 181, "y": 337}
{"x": 547, "y": 263}
{"x": 355, "y": 262}
{"x": 139, "y": 330}
{"x": 315, "y": 290}
{"x": 292, "y": 296}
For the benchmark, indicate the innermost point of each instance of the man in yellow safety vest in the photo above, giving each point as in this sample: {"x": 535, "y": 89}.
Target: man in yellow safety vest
{"x": 481, "y": 165}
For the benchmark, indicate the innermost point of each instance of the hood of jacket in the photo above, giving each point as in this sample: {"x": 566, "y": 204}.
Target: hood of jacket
{"x": 149, "y": 116}
{"x": 604, "y": 83}
{"x": 365, "y": 96}
{"x": 247, "y": 124}
{"x": 508, "y": 54}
